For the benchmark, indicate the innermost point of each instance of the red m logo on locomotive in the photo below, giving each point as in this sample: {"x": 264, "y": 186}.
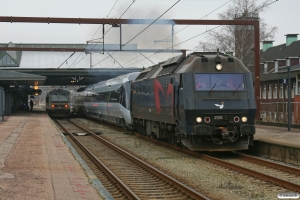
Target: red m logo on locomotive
{"x": 168, "y": 95}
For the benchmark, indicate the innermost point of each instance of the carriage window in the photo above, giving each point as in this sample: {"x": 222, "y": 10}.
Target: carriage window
{"x": 59, "y": 98}
{"x": 219, "y": 82}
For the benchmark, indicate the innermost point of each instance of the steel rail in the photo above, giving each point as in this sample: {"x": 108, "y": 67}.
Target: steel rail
{"x": 188, "y": 191}
{"x": 269, "y": 164}
{"x": 123, "y": 186}
{"x": 271, "y": 179}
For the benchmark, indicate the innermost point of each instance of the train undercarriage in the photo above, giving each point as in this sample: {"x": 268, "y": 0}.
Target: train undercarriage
{"x": 219, "y": 138}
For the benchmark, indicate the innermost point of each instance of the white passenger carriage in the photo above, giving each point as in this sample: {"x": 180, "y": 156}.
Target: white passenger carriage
{"x": 107, "y": 100}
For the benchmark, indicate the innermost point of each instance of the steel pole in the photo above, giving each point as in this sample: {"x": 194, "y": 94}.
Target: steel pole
{"x": 289, "y": 98}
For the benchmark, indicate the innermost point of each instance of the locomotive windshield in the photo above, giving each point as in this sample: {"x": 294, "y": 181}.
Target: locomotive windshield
{"x": 59, "y": 98}
{"x": 220, "y": 82}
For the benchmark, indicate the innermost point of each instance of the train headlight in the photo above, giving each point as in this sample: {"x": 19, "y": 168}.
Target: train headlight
{"x": 66, "y": 105}
{"x": 244, "y": 119}
{"x": 52, "y": 106}
{"x": 218, "y": 66}
{"x": 199, "y": 119}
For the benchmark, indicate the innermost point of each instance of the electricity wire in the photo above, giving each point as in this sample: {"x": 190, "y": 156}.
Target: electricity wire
{"x": 182, "y": 30}
{"x": 151, "y": 23}
{"x": 144, "y": 28}
{"x": 200, "y": 33}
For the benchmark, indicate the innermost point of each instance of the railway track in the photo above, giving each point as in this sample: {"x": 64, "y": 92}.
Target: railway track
{"x": 134, "y": 178}
{"x": 272, "y": 177}
{"x": 281, "y": 175}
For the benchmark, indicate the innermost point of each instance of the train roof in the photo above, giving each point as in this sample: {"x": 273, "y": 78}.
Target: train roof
{"x": 205, "y": 63}
{"x": 112, "y": 84}
{"x": 195, "y": 62}
{"x": 59, "y": 91}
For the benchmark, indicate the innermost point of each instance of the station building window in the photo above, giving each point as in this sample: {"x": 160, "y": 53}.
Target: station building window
{"x": 281, "y": 91}
{"x": 264, "y": 93}
{"x": 293, "y": 90}
{"x": 298, "y": 84}
{"x": 275, "y": 91}
{"x": 270, "y": 91}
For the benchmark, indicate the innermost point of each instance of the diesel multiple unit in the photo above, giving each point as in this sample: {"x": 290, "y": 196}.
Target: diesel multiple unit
{"x": 58, "y": 103}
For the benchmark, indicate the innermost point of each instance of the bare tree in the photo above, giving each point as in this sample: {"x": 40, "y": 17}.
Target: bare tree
{"x": 239, "y": 39}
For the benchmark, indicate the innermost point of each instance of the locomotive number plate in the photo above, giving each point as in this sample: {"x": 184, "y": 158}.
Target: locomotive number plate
{"x": 218, "y": 117}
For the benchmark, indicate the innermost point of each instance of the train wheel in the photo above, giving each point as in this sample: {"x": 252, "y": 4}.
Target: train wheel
{"x": 172, "y": 138}
{"x": 177, "y": 137}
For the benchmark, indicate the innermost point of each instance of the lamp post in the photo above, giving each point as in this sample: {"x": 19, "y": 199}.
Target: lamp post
{"x": 289, "y": 98}
{"x": 288, "y": 66}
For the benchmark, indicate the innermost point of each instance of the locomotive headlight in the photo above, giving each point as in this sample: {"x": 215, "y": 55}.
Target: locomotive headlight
{"x": 218, "y": 66}
{"x": 244, "y": 119}
{"x": 199, "y": 119}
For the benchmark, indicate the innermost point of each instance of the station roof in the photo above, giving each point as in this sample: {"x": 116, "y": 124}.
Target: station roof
{"x": 16, "y": 78}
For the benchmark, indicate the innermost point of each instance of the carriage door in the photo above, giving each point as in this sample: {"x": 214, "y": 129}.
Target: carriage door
{"x": 107, "y": 107}
{"x": 180, "y": 100}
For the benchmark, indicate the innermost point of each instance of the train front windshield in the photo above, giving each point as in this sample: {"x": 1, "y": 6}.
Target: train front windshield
{"x": 219, "y": 82}
{"x": 59, "y": 98}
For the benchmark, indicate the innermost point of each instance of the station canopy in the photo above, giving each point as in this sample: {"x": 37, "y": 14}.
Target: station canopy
{"x": 16, "y": 78}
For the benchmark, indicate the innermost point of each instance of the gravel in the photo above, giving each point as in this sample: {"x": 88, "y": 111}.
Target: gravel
{"x": 210, "y": 179}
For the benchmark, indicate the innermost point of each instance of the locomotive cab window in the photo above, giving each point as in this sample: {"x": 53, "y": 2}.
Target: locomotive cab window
{"x": 59, "y": 98}
{"x": 220, "y": 82}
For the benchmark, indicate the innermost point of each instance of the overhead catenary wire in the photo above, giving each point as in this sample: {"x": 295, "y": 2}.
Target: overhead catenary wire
{"x": 151, "y": 23}
{"x": 112, "y": 8}
{"x": 182, "y": 42}
{"x": 200, "y": 18}
{"x": 92, "y": 39}
{"x": 127, "y": 8}
{"x": 107, "y": 17}
{"x": 203, "y": 32}
{"x": 144, "y": 28}
{"x": 110, "y": 29}
{"x": 183, "y": 29}
{"x": 65, "y": 61}
{"x": 264, "y": 6}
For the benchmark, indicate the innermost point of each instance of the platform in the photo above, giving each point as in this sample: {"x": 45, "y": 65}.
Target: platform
{"x": 36, "y": 162}
{"x": 277, "y": 143}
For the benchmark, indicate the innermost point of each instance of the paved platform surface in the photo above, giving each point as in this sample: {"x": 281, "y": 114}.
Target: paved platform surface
{"x": 278, "y": 135}
{"x": 35, "y": 163}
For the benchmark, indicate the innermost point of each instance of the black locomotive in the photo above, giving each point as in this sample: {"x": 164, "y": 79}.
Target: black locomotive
{"x": 204, "y": 101}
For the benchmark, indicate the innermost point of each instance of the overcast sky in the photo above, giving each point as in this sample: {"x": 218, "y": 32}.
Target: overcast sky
{"x": 282, "y": 14}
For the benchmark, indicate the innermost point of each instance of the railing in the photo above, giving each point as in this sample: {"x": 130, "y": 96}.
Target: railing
{"x": 278, "y": 112}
